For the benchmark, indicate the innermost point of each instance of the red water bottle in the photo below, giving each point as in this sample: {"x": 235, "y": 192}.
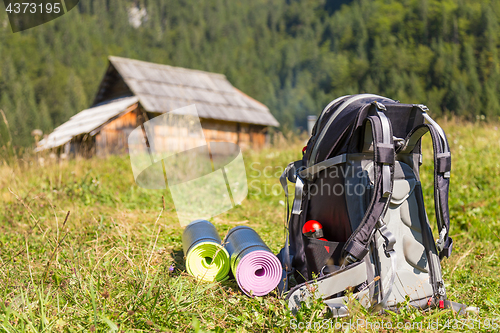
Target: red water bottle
{"x": 313, "y": 229}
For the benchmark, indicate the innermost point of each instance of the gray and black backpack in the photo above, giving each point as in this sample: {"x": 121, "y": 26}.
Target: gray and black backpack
{"x": 359, "y": 182}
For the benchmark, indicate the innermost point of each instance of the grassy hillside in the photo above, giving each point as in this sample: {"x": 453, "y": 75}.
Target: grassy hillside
{"x": 291, "y": 55}
{"x": 107, "y": 265}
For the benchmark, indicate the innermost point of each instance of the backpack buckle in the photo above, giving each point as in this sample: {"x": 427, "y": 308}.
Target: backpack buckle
{"x": 398, "y": 143}
{"x": 349, "y": 259}
{"x": 441, "y": 291}
{"x": 379, "y": 105}
{"x": 422, "y": 107}
{"x": 389, "y": 239}
{"x": 445, "y": 249}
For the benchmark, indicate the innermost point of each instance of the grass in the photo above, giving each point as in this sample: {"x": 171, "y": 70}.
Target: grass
{"x": 106, "y": 267}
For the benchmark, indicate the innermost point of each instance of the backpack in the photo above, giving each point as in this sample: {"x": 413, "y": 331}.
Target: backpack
{"x": 359, "y": 178}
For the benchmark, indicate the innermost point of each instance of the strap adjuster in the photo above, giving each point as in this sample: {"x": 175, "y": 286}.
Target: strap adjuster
{"x": 379, "y": 105}
{"x": 443, "y": 162}
{"x": 389, "y": 239}
{"x": 447, "y": 249}
{"x": 444, "y": 244}
{"x": 350, "y": 259}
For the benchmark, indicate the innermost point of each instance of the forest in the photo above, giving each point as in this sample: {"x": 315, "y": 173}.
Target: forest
{"x": 294, "y": 56}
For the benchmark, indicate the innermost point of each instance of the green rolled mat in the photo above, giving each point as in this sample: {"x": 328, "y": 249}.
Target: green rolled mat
{"x": 206, "y": 258}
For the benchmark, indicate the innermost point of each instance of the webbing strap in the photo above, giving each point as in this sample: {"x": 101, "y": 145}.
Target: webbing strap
{"x": 357, "y": 246}
{"x": 297, "y": 202}
{"x": 311, "y": 172}
{"x": 389, "y": 241}
{"x": 286, "y": 256}
{"x": 442, "y": 168}
{"x": 289, "y": 174}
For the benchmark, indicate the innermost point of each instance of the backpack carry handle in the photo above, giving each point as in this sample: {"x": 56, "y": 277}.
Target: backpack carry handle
{"x": 442, "y": 168}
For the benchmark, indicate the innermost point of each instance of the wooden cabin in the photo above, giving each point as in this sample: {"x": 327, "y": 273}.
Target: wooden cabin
{"x": 133, "y": 92}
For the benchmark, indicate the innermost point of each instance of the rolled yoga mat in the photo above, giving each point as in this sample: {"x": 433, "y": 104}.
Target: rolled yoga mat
{"x": 206, "y": 258}
{"x": 256, "y": 269}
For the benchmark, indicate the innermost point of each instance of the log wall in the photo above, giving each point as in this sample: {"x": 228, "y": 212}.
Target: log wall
{"x": 113, "y": 137}
{"x": 245, "y": 135}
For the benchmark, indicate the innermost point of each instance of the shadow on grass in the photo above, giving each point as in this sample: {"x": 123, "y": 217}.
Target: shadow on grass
{"x": 178, "y": 257}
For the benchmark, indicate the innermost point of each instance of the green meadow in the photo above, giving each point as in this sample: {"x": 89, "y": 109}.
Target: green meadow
{"x": 84, "y": 249}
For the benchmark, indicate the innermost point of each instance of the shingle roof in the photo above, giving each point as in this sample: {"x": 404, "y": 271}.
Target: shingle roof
{"x": 86, "y": 121}
{"x": 163, "y": 88}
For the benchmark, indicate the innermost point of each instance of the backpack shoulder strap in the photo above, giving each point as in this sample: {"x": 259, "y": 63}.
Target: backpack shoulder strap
{"x": 357, "y": 246}
{"x": 442, "y": 168}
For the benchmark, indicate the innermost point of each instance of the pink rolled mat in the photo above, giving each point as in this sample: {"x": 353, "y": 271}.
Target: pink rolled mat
{"x": 256, "y": 269}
